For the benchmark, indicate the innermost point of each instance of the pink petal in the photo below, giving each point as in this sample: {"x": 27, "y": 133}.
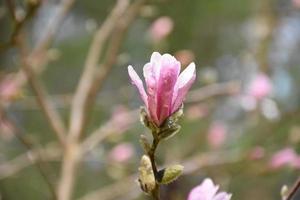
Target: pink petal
{"x": 151, "y": 84}
{"x": 169, "y": 72}
{"x": 205, "y": 191}
{"x": 138, "y": 83}
{"x": 183, "y": 84}
{"x": 222, "y": 196}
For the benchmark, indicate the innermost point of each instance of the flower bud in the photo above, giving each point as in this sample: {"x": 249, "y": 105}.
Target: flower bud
{"x": 146, "y": 175}
{"x": 169, "y": 174}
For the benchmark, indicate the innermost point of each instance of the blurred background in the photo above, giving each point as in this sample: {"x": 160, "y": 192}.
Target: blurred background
{"x": 241, "y": 123}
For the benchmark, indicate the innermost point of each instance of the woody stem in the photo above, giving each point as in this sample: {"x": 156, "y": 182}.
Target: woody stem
{"x": 151, "y": 154}
{"x": 294, "y": 190}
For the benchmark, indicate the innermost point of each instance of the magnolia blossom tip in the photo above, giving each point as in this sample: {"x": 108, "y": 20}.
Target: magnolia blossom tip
{"x": 166, "y": 88}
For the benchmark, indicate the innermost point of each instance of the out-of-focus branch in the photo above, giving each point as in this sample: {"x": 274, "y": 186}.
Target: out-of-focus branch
{"x": 52, "y": 115}
{"x": 50, "y": 153}
{"x": 32, "y": 6}
{"x": 115, "y": 190}
{"x": 191, "y": 165}
{"x": 87, "y": 88}
{"x": 213, "y": 90}
{"x": 39, "y": 164}
{"x": 51, "y": 30}
{"x": 12, "y": 9}
{"x": 106, "y": 130}
{"x": 82, "y": 97}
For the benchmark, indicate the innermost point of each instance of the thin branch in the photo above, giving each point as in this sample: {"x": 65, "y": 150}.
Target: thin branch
{"x": 84, "y": 98}
{"x": 32, "y": 7}
{"x": 84, "y": 91}
{"x": 213, "y": 90}
{"x": 12, "y": 9}
{"x": 106, "y": 130}
{"x": 294, "y": 190}
{"x": 39, "y": 161}
{"x": 51, "y": 30}
{"x": 50, "y": 153}
{"x": 115, "y": 190}
{"x": 52, "y": 115}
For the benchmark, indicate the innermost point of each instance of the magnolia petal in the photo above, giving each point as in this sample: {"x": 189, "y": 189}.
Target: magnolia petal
{"x": 205, "y": 191}
{"x": 155, "y": 57}
{"x": 182, "y": 86}
{"x": 151, "y": 84}
{"x": 135, "y": 79}
{"x": 169, "y": 72}
{"x": 222, "y": 196}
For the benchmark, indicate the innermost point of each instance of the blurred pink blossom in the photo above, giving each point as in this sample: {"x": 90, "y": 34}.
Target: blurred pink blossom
{"x": 161, "y": 28}
{"x": 257, "y": 153}
{"x": 121, "y": 153}
{"x": 207, "y": 190}
{"x": 9, "y": 89}
{"x": 296, "y": 3}
{"x": 196, "y": 111}
{"x": 217, "y": 134}
{"x": 166, "y": 89}
{"x": 185, "y": 57}
{"x": 121, "y": 119}
{"x": 285, "y": 157}
{"x": 260, "y": 87}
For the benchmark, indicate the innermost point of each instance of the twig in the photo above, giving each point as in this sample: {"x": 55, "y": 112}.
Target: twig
{"x": 191, "y": 165}
{"x": 294, "y": 190}
{"x": 39, "y": 161}
{"x": 51, "y": 30}
{"x": 11, "y": 7}
{"x": 50, "y": 153}
{"x": 46, "y": 105}
{"x": 84, "y": 97}
{"x": 113, "y": 191}
{"x": 19, "y": 24}
{"x": 156, "y": 191}
{"x": 105, "y": 131}
{"x": 217, "y": 89}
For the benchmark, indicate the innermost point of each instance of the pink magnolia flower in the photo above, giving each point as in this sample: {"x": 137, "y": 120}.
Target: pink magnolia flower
{"x": 260, "y": 87}
{"x": 166, "y": 89}
{"x": 207, "y": 190}
{"x": 121, "y": 153}
{"x": 217, "y": 134}
{"x": 285, "y": 157}
{"x": 161, "y": 28}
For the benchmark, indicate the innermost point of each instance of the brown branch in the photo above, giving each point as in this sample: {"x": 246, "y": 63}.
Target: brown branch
{"x": 85, "y": 94}
{"x": 32, "y": 7}
{"x": 294, "y": 190}
{"x": 40, "y": 159}
{"x": 106, "y": 130}
{"x": 213, "y": 90}
{"x": 12, "y": 9}
{"x": 50, "y": 153}
{"x": 82, "y": 97}
{"x": 51, "y": 114}
{"x": 53, "y": 27}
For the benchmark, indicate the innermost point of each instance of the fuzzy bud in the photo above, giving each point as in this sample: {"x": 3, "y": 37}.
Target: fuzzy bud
{"x": 169, "y": 174}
